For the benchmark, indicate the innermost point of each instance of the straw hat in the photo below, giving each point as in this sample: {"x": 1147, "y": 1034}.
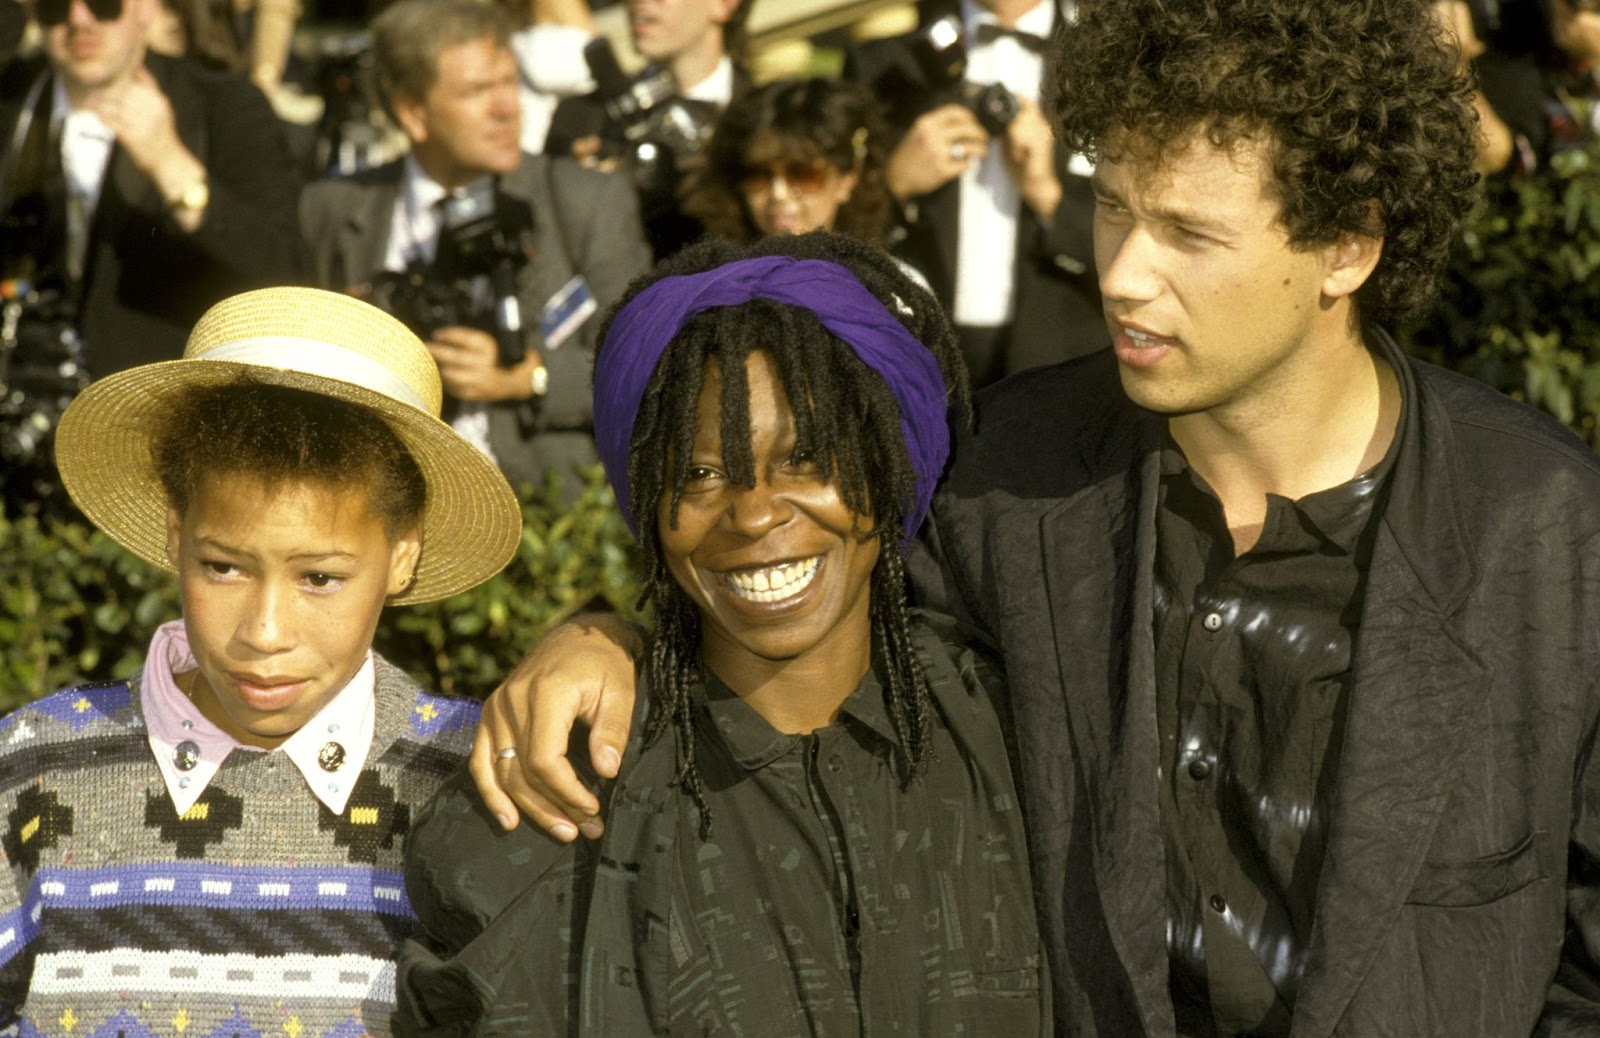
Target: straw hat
{"x": 321, "y": 342}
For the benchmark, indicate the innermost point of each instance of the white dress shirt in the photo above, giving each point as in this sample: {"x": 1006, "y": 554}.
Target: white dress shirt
{"x": 991, "y": 205}
{"x": 414, "y": 235}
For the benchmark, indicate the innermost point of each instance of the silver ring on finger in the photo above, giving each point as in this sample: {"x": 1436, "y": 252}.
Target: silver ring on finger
{"x": 958, "y": 151}
{"x": 505, "y": 753}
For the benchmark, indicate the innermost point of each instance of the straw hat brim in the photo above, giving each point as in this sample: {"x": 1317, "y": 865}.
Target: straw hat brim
{"x": 471, "y": 524}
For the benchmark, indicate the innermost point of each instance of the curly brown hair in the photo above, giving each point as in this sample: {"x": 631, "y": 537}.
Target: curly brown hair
{"x": 796, "y": 120}
{"x": 1368, "y": 117}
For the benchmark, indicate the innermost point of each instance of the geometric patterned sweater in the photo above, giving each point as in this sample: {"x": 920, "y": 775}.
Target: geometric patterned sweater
{"x": 259, "y": 913}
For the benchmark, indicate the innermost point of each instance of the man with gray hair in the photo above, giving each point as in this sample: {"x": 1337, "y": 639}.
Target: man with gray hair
{"x": 497, "y": 258}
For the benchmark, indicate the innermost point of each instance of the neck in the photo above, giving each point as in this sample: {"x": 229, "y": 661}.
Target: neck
{"x": 1308, "y": 431}
{"x": 694, "y": 66}
{"x": 444, "y": 172}
{"x": 1006, "y": 12}
{"x": 800, "y": 694}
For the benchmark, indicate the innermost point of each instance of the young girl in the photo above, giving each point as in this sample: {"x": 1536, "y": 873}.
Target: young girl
{"x": 213, "y": 847}
{"x": 817, "y": 832}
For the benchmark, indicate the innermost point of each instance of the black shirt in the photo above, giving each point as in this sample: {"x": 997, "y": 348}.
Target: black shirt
{"x": 1252, "y": 664}
{"x": 829, "y": 899}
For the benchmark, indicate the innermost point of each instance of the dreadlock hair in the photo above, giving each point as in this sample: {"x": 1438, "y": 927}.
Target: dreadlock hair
{"x": 844, "y": 414}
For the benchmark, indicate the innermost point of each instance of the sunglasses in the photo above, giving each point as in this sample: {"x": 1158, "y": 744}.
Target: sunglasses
{"x": 798, "y": 176}
{"x": 54, "y": 12}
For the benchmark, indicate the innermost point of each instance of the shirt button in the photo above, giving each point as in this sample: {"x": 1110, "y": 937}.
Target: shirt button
{"x": 1218, "y": 904}
{"x": 1199, "y": 769}
{"x": 1213, "y": 621}
{"x": 836, "y": 764}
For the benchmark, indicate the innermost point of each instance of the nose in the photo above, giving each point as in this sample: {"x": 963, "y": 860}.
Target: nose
{"x": 506, "y": 103}
{"x": 1126, "y": 258}
{"x": 266, "y": 626}
{"x": 753, "y": 511}
{"x": 780, "y": 185}
{"x": 79, "y": 16}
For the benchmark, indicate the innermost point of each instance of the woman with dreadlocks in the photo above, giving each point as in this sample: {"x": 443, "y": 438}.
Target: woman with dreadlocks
{"x": 815, "y": 831}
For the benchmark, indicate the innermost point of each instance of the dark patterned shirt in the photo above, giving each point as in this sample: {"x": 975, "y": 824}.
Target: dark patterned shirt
{"x": 1252, "y": 663}
{"x": 828, "y": 899}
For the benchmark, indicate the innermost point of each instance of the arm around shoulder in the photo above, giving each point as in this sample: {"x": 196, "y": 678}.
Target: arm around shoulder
{"x": 484, "y": 898}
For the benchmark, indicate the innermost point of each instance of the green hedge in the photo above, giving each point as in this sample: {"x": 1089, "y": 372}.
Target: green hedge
{"x": 1520, "y": 305}
{"x": 74, "y": 606}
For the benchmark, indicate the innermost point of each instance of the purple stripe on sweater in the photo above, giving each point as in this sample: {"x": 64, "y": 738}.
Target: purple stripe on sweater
{"x": 250, "y": 888}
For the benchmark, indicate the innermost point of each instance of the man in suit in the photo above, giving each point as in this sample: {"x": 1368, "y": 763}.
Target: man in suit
{"x": 998, "y": 222}
{"x": 1301, "y": 635}
{"x": 694, "y": 42}
{"x": 135, "y": 191}
{"x": 449, "y": 78}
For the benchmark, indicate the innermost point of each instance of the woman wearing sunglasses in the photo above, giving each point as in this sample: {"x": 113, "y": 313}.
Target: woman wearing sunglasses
{"x": 792, "y": 156}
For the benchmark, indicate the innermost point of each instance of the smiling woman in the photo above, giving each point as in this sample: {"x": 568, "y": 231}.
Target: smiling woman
{"x": 817, "y": 831}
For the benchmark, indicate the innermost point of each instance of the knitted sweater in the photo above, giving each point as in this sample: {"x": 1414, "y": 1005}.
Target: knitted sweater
{"x": 259, "y": 912}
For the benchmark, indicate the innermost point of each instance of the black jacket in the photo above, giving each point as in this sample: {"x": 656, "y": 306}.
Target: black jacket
{"x": 1459, "y": 890}
{"x": 145, "y": 280}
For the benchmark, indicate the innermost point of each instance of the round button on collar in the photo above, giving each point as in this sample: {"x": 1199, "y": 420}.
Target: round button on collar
{"x": 186, "y": 755}
{"x": 331, "y": 756}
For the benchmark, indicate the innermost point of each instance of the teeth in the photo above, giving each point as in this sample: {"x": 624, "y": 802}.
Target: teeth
{"x": 774, "y": 584}
{"x": 1139, "y": 337}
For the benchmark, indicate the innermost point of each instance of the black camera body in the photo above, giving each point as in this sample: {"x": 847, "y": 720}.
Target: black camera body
{"x": 41, "y": 371}
{"x": 649, "y": 126}
{"x": 940, "y": 51}
{"x": 485, "y": 238}
{"x": 42, "y": 357}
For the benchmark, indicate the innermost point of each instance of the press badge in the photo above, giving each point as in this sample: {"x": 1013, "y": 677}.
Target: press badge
{"x": 565, "y": 312}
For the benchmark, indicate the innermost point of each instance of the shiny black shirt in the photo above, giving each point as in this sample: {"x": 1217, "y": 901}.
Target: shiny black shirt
{"x": 1252, "y": 665}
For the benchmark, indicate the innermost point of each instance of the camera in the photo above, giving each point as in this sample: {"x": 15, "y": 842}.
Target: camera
{"x": 485, "y": 238}
{"x": 941, "y": 54}
{"x": 41, "y": 371}
{"x": 650, "y": 127}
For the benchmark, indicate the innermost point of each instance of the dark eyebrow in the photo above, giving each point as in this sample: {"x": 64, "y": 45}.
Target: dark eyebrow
{"x": 1188, "y": 217}
{"x": 212, "y": 544}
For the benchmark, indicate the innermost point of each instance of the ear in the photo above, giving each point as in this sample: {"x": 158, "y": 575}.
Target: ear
{"x": 1348, "y": 262}
{"x": 412, "y": 115}
{"x": 403, "y": 556}
{"x": 846, "y": 187}
{"x": 174, "y": 532}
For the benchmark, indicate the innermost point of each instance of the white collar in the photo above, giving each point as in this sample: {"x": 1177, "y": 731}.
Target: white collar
{"x": 329, "y": 750}
{"x": 716, "y": 88}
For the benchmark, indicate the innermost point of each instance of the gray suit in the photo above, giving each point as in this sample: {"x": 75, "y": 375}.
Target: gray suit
{"x": 1460, "y": 892}
{"x": 586, "y": 223}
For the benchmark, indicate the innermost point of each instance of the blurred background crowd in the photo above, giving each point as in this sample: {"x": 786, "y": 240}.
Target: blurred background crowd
{"x": 495, "y": 172}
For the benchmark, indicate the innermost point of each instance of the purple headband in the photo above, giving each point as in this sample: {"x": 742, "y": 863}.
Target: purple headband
{"x": 640, "y": 332}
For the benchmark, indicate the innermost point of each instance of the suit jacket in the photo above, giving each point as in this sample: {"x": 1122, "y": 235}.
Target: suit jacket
{"x": 585, "y": 224}
{"x": 145, "y": 281}
{"x": 1057, "y": 312}
{"x": 1459, "y": 888}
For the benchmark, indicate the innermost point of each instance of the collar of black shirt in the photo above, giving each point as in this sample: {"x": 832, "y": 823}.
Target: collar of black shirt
{"x": 1333, "y": 518}
{"x": 754, "y": 743}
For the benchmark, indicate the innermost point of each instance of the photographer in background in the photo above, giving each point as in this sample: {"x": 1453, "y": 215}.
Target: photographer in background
{"x": 973, "y": 195}
{"x": 486, "y": 251}
{"x": 135, "y": 191}
{"x": 651, "y": 127}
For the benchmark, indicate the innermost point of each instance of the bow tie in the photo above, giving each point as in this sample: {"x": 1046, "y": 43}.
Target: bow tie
{"x": 988, "y": 32}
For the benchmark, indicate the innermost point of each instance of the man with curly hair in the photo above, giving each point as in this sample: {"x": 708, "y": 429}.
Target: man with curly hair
{"x": 1302, "y": 635}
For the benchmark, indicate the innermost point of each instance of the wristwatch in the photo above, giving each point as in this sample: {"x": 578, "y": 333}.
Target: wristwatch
{"x": 539, "y": 381}
{"x": 192, "y": 199}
